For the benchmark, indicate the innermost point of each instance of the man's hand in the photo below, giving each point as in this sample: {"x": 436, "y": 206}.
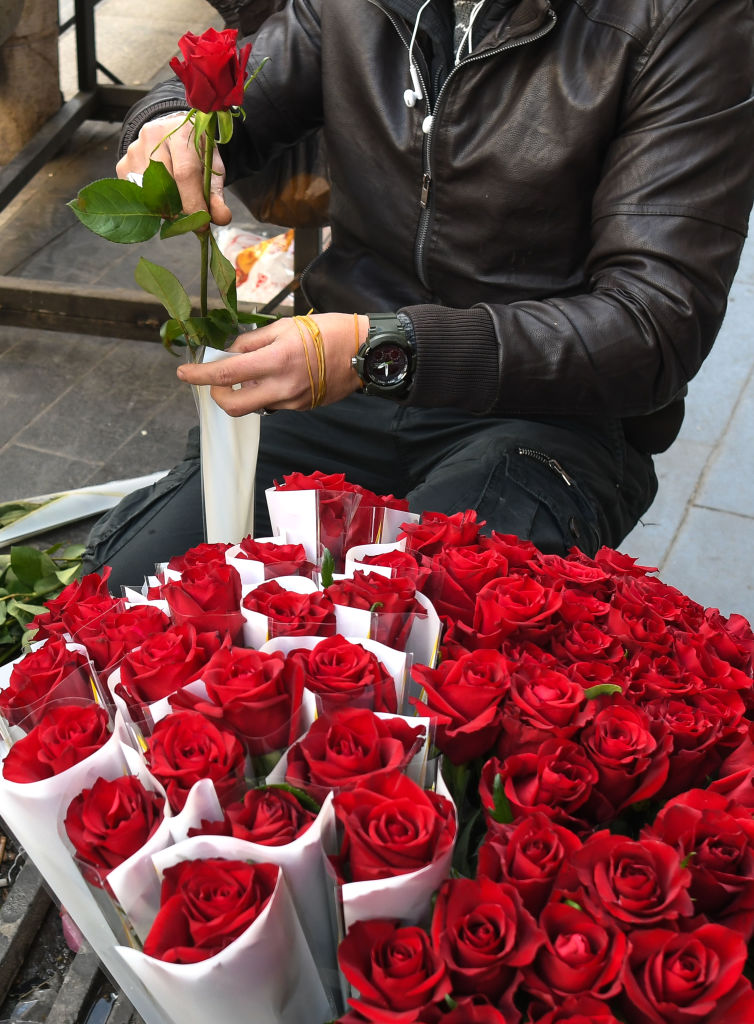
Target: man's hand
{"x": 159, "y": 140}
{"x": 271, "y": 365}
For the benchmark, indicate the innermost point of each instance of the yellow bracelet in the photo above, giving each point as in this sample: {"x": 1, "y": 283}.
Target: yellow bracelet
{"x": 308, "y": 364}
{"x": 319, "y": 392}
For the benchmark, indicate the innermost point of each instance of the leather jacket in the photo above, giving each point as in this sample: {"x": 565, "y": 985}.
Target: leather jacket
{"x": 564, "y": 231}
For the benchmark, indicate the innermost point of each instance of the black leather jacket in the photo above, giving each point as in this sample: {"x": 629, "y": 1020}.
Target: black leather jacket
{"x": 564, "y": 235}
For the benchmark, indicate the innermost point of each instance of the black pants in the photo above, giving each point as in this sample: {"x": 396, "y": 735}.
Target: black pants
{"x": 559, "y": 482}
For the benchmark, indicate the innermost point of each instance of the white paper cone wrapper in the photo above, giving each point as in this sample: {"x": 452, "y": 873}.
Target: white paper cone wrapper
{"x": 250, "y": 570}
{"x": 32, "y": 811}
{"x": 134, "y": 882}
{"x": 229, "y": 447}
{"x": 407, "y": 897}
{"x": 256, "y": 627}
{"x": 394, "y": 661}
{"x": 266, "y": 976}
{"x": 354, "y": 557}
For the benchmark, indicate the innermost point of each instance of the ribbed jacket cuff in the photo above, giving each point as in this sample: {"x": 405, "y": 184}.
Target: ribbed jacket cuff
{"x": 457, "y": 358}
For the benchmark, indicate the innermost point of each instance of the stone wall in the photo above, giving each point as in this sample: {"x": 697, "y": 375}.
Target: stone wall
{"x": 29, "y": 81}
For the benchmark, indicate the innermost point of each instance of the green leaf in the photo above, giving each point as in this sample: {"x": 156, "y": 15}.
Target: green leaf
{"x": 328, "y": 566}
{"x": 224, "y": 274}
{"x": 224, "y": 126}
{"x": 503, "y": 812}
{"x": 47, "y": 585}
{"x": 64, "y": 576}
{"x": 74, "y": 552}
{"x": 602, "y": 689}
{"x": 572, "y": 903}
{"x": 159, "y": 191}
{"x": 202, "y": 123}
{"x": 3, "y": 612}
{"x": 182, "y": 225}
{"x": 303, "y": 798}
{"x": 115, "y": 210}
{"x": 258, "y": 319}
{"x": 165, "y": 286}
{"x": 30, "y": 565}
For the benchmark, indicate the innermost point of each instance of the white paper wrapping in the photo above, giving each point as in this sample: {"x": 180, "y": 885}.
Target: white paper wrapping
{"x": 407, "y": 897}
{"x": 256, "y": 627}
{"x": 32, "y": 811}
{"x": 135, "y": 882}
{"x": 267, "y": 975}
{"x": 229, "y": 447}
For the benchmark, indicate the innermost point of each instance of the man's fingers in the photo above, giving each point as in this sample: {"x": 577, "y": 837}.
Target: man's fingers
{"x": 218, "y": 209}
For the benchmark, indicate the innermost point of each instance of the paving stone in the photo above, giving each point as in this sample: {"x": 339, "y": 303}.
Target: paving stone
{"x": 710, "y": 560}
{"x": 729, "y": 482}
{"x": 25, "y": 472}
{"x": 678, "y": 473}
{"x": 105, "y": 408}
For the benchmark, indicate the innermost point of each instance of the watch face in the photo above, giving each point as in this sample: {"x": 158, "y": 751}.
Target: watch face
{"x": 386, "y": 364}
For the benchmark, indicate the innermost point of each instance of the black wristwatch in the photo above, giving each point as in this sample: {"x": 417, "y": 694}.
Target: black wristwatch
{"x": 387, "y": 359}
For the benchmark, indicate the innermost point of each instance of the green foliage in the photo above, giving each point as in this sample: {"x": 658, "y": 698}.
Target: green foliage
{"x": 28, "y": 578}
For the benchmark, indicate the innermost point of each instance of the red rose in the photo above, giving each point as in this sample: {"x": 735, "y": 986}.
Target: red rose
{"x": 278, "y": 559}
{"x": 530, "y": 854}
{"x": 542, "y": 704}
{"x": 391, "y": 826}
{"x": 715, "y": 838}
{"x": 213, "y": 71}
{"x": 185, "y": 747}
{"x": 51, "y": 673}
{"x": 65, "y": 736}
{"x": 631, "y": 755}
{"x": 580, "y": 956}
{"x": 254, "y": 694}
{"x": 202, "y": 554}
{"x": 164, "y": 663}
{"x": 90, "y": 590}
{"x": 463, "y": 698}
{"x": 578, "y": 571}
{"x": 340, "y": 672}
{"x": 557, "y": 780}
{"x": 205, "y": 905}
{"x": 368, "y": 519}
{"x": 347, "y": 746}
{"x": 515, "y": 604}
{"x": 676, "y": 977}
{"x": 400, "y": 563}
{"x": 394, "y": 969}
{"x": 471, "y": 1010}
{"x": 112, "y": 820}
{"x": 290, "y": 613}
{"x": 580, "y": 1010}
{"x": 270, "y": 816}
{"x": 636, "y": 883}
{"x": 457, "y": 576}
{"x": 696, "y": 732}
{"x": 116, "y": 632}
{"x": 437, "y": 531}
{"x": 485, "y": 936}
{"x": 392, "y": 602}
{"x": 584, "y": 640}
{"x": 208, "y": 595}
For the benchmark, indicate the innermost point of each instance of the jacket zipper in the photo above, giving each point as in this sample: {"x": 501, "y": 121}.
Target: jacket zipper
{"x": 425, "y": 215}
{"x": 547, "y": 460}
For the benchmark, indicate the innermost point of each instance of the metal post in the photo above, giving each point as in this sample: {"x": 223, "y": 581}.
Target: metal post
{"x": 86, "y": 55}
